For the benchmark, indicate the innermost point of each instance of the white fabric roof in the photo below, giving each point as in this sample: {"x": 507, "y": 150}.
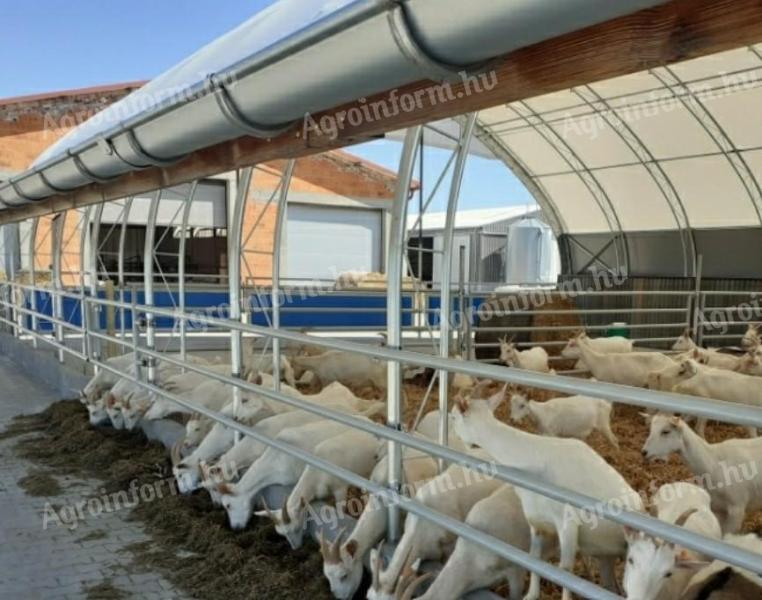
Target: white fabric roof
{"x": 674, "y": 148}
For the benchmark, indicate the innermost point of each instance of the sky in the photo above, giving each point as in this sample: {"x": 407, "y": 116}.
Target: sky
{"x": 49, "y": 45}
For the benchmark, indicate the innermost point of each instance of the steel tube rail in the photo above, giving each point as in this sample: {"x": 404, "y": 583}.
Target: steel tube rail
{"x": 665, "y": 401}
{"x": 655, "y": 527}
{"x": 183, "y": 324}
{"x": 64, "y": 324}
{"x": 235, "y": 235}
{"x": 445, "y": 298}
{"x": 280, "y": 222}
{"x": 591, "y": 311}
{"x": 511, "y": 475}
{"x": 148, "y": 260}
{"x": 394, "y": 270}
{"x": 393, "y": 498}
{"x": 577, "y": 327}
{"x": 49, "y": 341}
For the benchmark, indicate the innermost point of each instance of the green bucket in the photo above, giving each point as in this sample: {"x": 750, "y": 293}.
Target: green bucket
{"x": 618, "y": 329}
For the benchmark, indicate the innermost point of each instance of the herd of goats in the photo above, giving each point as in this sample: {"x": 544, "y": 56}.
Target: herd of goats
{"x": 235, "y": 472}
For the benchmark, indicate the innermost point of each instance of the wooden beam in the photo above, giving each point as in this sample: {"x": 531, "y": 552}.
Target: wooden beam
{"x": 676, "y": 31}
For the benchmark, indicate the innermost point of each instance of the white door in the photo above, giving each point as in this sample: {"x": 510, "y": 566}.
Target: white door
{"x": 323, "y": 241}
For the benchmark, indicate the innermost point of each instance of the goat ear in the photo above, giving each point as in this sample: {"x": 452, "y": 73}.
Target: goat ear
{"x": 497, "y": 399}
{"x": 351, "y": 547}
{"x": 462, "y": 404}
{"x": 648, "y": 418}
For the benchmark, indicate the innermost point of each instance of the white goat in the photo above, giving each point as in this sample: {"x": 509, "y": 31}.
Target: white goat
{"x": 355, "y": 451}
{"x": 730, "y": 470}
{"x": 572, "y": 417}
{"x": 274, "y": 468}
{"x": 343, "y": 562}
{"x": 453, "y": 493}
{"x": 97, "y": 413}
{"x": 719, "y": 581}
{"x": 567, "y": 463}
{"x": 685, "y": 342}
{"x": 471, "y": 567}
{"x": 104, "y": 380}
{"x": 350, "y": 369}
{"x": 243, "y": 454}
{"x": 715, "y": 359}
{"x": 256, "y": 362}
{"x": 603, "y": 345}
{"x": 218, "y": 441}
{"x": 750, "y": 364}
{"x": 693, "y": 379}
{"x": 196, "y": 429}
{"x": 751, "y": 338}
{"x": 534, "y": 359}
{"x": 658, "y": 570}
{"x": 627, "y": 369}
{"x": 179, "y": 383}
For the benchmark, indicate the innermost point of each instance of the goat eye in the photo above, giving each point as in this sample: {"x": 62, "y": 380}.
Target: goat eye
{"x": 665, "y": 432}
{"x": 630, "y": 561}
{"x": 668, "y": 574}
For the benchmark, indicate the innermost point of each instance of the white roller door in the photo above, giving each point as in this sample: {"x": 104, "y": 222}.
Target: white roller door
{"x": 322, "y": 241}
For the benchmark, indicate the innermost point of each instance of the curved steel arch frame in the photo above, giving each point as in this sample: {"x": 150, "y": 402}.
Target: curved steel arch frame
{"x": 655, "y": 170}
{"x": 703, "y": 116}
{"x": 588, "y": 178}
{"x": 235, "y": 235}
{"x": 466, "y": 136}
{"x": 280, "y": 223}
{"x": 394, "y": 273}
{"x": 535, "y": 188}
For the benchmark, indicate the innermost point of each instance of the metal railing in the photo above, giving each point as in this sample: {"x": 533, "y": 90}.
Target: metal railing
{"x": 723, "y": 316}
{"x": 711, "y": 409}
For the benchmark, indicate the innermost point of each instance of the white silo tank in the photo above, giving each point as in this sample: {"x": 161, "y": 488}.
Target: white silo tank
{"x": 529, "y": 252}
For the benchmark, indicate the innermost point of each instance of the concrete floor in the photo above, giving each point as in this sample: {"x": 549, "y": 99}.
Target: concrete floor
{"x": 58, "y": 563}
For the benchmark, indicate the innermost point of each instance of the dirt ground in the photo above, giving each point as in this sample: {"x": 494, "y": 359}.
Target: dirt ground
{"x": 194, "y": 547}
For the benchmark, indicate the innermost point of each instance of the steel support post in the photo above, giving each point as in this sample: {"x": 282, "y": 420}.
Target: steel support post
{"x": 183, "y": 324}
{"x": 32, "y": 277}
{"x": 120, "y": 266}
{"x": 94, "y": 309}
{"x": 445, "y": 304}
{"x": 84, "y": 305}
{"x": 148, "y": 289}
{"x": 280, "y": 223}
{"x": 57, "y": 281}
{"x": 397, "y": 238}
{"x": 235, "y": 235}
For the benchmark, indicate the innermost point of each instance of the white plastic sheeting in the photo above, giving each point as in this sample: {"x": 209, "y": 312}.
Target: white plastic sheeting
{"x": 297, "y": 57}
{"x": 672, "y": 148}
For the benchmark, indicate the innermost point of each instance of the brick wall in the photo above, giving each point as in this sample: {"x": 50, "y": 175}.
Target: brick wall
{"x": 29, "y": 125}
